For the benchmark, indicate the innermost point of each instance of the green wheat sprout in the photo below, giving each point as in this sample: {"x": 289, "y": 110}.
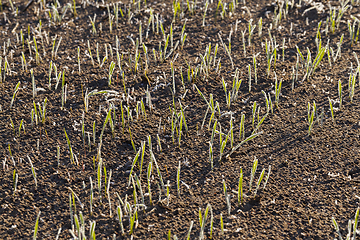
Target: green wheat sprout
{"x": 15, "y": 91}
{"x": 36, "y": 226}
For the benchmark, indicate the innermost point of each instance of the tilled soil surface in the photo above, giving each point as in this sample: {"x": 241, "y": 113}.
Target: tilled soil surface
{"x": 154, "y": 94}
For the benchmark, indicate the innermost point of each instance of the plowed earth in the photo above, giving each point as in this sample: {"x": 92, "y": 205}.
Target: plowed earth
{"x": 313, "y": 177}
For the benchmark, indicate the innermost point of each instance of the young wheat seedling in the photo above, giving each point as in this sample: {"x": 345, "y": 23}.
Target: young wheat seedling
{"x": 277, "y": 91}
{"x": 15, "y": 181}
{"x": 311, "y": 117}
{"x": 13, "y": 98}
{"x": 148, "y": 182}
{"x": 178, "y": 179}
{"x": 120, "y": 216}
{"x": 340, "y": 94}
{"x": 70, "y": 148}
{"x": 111, "y": 71}
{"x": 36, "y": 226}
{"x": 240, "y": 188}
{"x": 253, "y": 171}
{"x": 227, "y": 197}
{"x": 33, "y": 171}
{"x": 331, "y": 109}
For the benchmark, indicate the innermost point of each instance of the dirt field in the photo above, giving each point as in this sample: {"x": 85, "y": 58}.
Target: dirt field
{"x": 179, "y": 120}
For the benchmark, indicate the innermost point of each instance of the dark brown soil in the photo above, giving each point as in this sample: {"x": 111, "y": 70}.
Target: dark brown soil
{"x": 313, "y": 178}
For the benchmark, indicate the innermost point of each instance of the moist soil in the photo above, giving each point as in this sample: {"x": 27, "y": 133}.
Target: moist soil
{"x": 313, "y": 177}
